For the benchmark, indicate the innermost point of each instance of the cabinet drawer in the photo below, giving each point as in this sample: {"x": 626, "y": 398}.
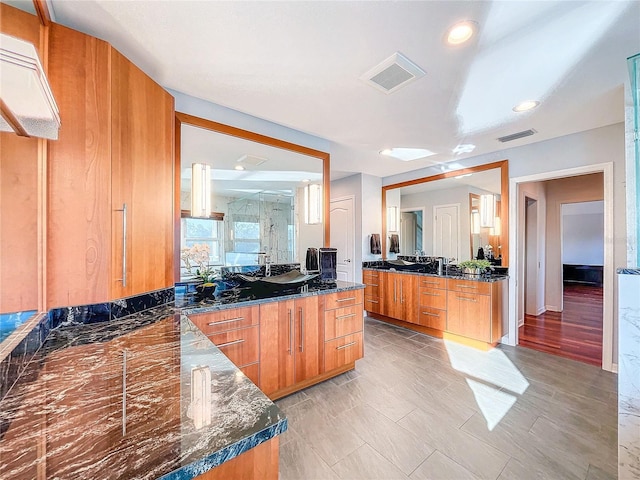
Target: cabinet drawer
{"x": 343, "y": 350}
{"x": 342, "y": 321}
{"x": 432, "y": 318}
{"x": 373, "y": 304}
{"x": 433, "y": 297}
{"x": 234, "y": 318}
{"x": 252, "y": 372}
{"x": 240, "y": 346}
{"x": 468, "y": 286}
{"x": 342, "y": 299}
{"x": 371, "y": 290}
{"x": 370, "y": 276}
{"x": 433, "y": 282}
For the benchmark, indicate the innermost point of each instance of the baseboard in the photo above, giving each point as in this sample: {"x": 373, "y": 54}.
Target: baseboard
{"x": 552, "y": 308}
{"x": 614, "y": 367}
{"x": 520, "y": 322}
{"x": 541, "y": 310}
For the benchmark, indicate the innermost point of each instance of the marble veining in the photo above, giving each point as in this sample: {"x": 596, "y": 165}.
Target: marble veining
{"x": 628, "y": 271}
{"x": 459, "y": 276}
{"x": 629, "y": 375}
{"x": 72, "y": 392}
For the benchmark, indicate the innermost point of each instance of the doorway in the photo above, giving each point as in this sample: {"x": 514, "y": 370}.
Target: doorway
{"x": 446, "y": 231}
{"x": 411, "y": 231}
{"x": 570, "y": 314}
{"x": 343, "y": 236}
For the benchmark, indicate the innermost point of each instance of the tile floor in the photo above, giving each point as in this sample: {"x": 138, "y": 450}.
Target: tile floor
{"x": 419, "y": 408}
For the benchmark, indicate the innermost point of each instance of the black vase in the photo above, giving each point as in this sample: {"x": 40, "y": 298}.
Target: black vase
{"x": 205, "y": 291}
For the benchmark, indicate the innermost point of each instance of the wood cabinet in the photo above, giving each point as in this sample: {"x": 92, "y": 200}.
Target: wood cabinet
{"x": 372, "y": 280}
{"x": 474, "y": 309}
{"x": 236, "y": 333}
{"x": 115, "y": 147}
{"x": 432, "y": 302}
{"x": 343, "y": 330}
{"x": 399, "y": 296}
{"x": 291, "y": 343}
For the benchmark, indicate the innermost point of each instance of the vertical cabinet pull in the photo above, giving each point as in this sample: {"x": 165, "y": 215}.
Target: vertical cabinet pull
{"x": 124, "y": 392}
{"x": 290, "y": 332}
{"x": 401, "y": 292}
{"x": 395, "y": 298}
{"x": 124, "y": 243}
{"x": 301, "y": 330}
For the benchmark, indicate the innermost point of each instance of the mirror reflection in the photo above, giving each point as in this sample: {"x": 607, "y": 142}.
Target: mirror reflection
{"x": 248, "y": 202}
{"x": 446, "y": 217}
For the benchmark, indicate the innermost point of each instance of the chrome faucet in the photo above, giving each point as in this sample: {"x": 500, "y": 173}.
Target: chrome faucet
{"x": 267, "y": 270}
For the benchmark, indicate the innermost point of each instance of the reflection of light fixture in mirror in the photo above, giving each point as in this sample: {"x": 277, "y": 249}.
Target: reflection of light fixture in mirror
{"x": 27, "y": 106}
{"x": 200, "y": 190}
{"x": 200, "y": 407}
{"x": 392, "y": 219}
{"x": 240, "y": 168}
{"x": 487, "y": 210}
{"x": 406, "y": 154}
{"x": 475, "y": 222}
{"x": 496, "y": 229}
{"x": 312, "y": 204}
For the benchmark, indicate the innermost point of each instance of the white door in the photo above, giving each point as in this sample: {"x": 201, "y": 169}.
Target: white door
{"x": 342, "y": 236}
{"x": 407, "y": 233}
{"x": 446, "y": 231}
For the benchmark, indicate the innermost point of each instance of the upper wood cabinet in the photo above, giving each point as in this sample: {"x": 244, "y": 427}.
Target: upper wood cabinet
{"x": 115, "y": 148}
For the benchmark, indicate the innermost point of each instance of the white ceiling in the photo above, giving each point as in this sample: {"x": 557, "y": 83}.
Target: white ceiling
{"x": 487, "y": 180}
{"x": 298, "y": 64}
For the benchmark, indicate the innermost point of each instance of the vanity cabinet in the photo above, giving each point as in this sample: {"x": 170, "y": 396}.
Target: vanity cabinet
{"x": 291, "y": 343}
{"x": 399, "y": 296}
{"x": 343, "y": 329}
{"x": 473, "y": 309}
{"x": 115, "y": 148}
{"x": 432, "y": 303}
{"x": 372, "y": 280}
{"x": 236, "y": 333}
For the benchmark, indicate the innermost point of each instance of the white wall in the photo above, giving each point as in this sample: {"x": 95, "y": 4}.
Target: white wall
{"x": 583, "y": 234}
{"x": 370, "y": 214}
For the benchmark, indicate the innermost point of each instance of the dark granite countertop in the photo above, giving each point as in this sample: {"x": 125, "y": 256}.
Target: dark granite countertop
{"x": 239, "y": 297}
{"x": 478, "y": 278}
{"x": 67, "y": 414}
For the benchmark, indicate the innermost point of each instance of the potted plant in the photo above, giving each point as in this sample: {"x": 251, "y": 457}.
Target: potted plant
{"x": 199, "y": 255}
{"x": 474, "y": 267}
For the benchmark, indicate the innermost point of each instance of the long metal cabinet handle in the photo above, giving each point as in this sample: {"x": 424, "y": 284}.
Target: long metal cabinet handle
{"x": 301, "y": 330}
{"x": 290, "y": 332}
{"x": 466, "y": 286}
{"x": 401, "y": 292}
{"x": 345, "y": 346}
{"x": 395, "y": 298}
{"x": 372, "y": 301}
{"x": 124, "y": 243}
{"x": 237, "y": 319}
{"x": 345, "y": 299}
{"x": 340, "y": 317}
{"x": 235, "y": 342}
{"x": 467, "y": 299}
{"x": 430, "y": 314}
{"x": 431, "y": 294}
{"x": 124, "y": 392}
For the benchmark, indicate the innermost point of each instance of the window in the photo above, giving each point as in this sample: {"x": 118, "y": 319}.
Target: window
{"x": 204, "y": 231}
{"x": 246, "y": 238}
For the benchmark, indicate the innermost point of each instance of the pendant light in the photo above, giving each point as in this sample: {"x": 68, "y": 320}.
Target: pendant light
{"x": 200, "y": 190}
{"x": 312, "y": 204}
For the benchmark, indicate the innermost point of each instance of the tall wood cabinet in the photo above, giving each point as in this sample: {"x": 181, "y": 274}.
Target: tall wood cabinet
{"x": 399, "y": 296}
{"x": 115, "y": 147}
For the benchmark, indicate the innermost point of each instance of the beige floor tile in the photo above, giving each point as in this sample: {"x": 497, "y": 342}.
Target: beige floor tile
{"x": 299, "y": 461}
{"x": 383, "y": 400}
{"x": 441, "y": 467}
{"x": 367, "y": 464}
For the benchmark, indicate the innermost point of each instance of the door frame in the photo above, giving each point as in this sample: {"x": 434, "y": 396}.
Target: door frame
{"x": 458, "y": 209}
{"x": 609, "y": 266}
{"x": 352, "y": 198}
{"x": 424, "y": 215}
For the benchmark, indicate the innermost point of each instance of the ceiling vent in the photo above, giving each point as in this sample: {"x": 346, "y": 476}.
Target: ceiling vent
{"x": 393, "y": 73}
{"x": 516, "y": 136}
{"x": 251, "y": 160}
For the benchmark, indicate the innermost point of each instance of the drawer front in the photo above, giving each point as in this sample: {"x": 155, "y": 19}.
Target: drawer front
{"x": 240, "y": 346}
{"x": 373, "y": 304}
{"x": 343, "y": 299}
{"x": 342, "y": 321}
{"x": 232, "y": 319}
{"x": 433, "y": 282}
{"x": 371, "y": 290}
{"x": 370, "y": 276}
{"x": 342, "y": 351}
{"x": 433, "y": 297}
{"x": 252, "y": 372}
{"x": 468, "y": 286}
{"x": 432, "y": 318}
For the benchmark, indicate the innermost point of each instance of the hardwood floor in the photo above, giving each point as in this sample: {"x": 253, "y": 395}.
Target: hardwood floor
{"x": 575, "y": 333}
{"x": 418, "y": 407}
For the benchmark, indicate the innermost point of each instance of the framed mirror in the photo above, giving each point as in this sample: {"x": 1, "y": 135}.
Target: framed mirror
{"x": 249, "y": 198}
{"x": 459, "y": 214}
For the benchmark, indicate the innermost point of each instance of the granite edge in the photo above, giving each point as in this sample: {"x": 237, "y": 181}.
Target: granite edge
{"x": 491, "y": 279}
{"x": 628, "y": 271}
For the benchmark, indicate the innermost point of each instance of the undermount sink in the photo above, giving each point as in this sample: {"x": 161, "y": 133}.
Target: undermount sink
{"x": 405, "y": 265}
{"x": 292, "y": 278}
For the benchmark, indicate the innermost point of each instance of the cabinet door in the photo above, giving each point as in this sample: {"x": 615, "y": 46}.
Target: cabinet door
{"x": 79, "y": 171}
{"x": 407, "y": 296}
{"x": 468, "y": 314}
{"x": 276, "y": 345}
{"x": 390, "y": 289}
{"x": 142, "y": 181}
{"x": 309, "y": 339}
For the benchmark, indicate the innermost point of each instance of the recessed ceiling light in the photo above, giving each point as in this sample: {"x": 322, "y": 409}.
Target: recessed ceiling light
{"x": 305, "y": 180}
{"x": 461, "y": 32}
{"x": 464, "y": 148}
{"x": 407, "y": 154}
{"x": 526, "y": 105}
{"x": 239, "y": 167}
{"x": 463, "y": 175}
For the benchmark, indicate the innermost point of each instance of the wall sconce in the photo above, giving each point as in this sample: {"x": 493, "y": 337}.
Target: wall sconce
{"x": 475, "y": 222}
{"x": 312, "y": 204}
{"x": 200, "y": 190}
{"x": 497, "y": 228}
{"x": 27, "y": 106}
{"x": 487, "y": 210}
{"x": 393, "y": 224}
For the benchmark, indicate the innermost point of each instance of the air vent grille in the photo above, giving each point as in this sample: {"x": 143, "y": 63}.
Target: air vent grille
{"x": 393, "y": 73}
{"x": 252, "y": 160}
{"x": 516, "y": 136}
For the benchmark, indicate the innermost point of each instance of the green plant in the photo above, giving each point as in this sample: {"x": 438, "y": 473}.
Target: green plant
{"x": 482, "y": 264}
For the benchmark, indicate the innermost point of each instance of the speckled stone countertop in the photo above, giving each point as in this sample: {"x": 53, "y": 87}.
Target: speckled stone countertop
{"x": 240, "y": 298}
{"x": 70, "y": 414}
{"x": 476, "y": 278}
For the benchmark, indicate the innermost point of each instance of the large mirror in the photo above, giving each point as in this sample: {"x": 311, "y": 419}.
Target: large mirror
{"x": 459, "y": 215}
{"x": 250, "y": 199}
